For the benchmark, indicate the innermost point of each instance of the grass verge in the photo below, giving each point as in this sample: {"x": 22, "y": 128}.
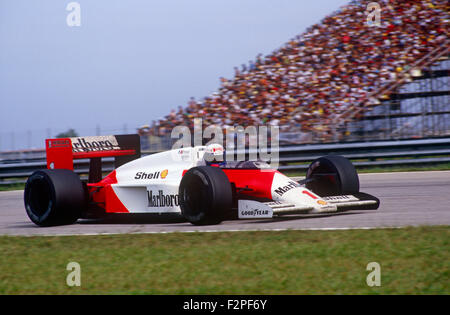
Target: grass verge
{"x": 405, "y": 168}
{"x": 9, "y": 187}
{"x": 412, "y": 260}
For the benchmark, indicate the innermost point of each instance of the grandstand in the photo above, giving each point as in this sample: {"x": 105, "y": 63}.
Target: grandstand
{"x": 341, "y": 80}
{"x": 417, "y": 105}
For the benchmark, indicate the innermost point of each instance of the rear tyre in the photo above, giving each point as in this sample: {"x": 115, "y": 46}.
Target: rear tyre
{"x": 332, "y": 175}
{"x": 54, "y": 197}
{"x": 205, "y": 195}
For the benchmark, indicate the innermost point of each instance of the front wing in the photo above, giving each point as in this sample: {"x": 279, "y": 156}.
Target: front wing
{"x": 250, "y": 209}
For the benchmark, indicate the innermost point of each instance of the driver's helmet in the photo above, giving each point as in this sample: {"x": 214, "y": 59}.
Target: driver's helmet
{"x": 215, "y": 154}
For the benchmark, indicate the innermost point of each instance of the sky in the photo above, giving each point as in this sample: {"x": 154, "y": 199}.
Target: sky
{"x": 129, "y": 62}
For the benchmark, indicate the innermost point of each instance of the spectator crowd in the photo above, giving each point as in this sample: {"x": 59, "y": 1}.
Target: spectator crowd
{"x": 326, "y": 71}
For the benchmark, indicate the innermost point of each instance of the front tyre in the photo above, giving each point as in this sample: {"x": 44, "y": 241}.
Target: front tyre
{"x": 332, "y": 175}
{"x": 54, "y": 197}
{"x": 205, "y": 195}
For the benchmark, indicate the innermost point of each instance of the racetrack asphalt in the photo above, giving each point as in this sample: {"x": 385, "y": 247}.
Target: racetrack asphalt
{"x": 407, "y": 199}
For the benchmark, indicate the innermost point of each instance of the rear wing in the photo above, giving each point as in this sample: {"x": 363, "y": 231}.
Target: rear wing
{"x": 61, "y": 152}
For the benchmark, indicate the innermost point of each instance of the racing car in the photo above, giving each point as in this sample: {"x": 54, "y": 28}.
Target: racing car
{"x": 198, "y": 182}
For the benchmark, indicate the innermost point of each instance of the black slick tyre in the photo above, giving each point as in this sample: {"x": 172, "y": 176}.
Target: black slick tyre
{"x": 332, "y": 175}
{"x": 205, "y": 195}
{"x": 54, "y": 197}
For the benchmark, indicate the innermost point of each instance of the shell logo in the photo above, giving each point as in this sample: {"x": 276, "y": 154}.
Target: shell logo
{"x": 321, "y": 202}
{"x": 164, "y": 173}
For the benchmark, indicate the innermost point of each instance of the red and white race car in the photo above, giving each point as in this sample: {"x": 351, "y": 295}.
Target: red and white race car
{"x": 196, "y": 182}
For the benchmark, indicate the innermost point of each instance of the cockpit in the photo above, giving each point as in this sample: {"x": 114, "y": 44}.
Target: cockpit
{"x": 215, "y": 155}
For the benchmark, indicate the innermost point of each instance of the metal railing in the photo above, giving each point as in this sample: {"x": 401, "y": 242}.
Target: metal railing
{"x": 425, "y": 61}
{"x": 290, "y": 158}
